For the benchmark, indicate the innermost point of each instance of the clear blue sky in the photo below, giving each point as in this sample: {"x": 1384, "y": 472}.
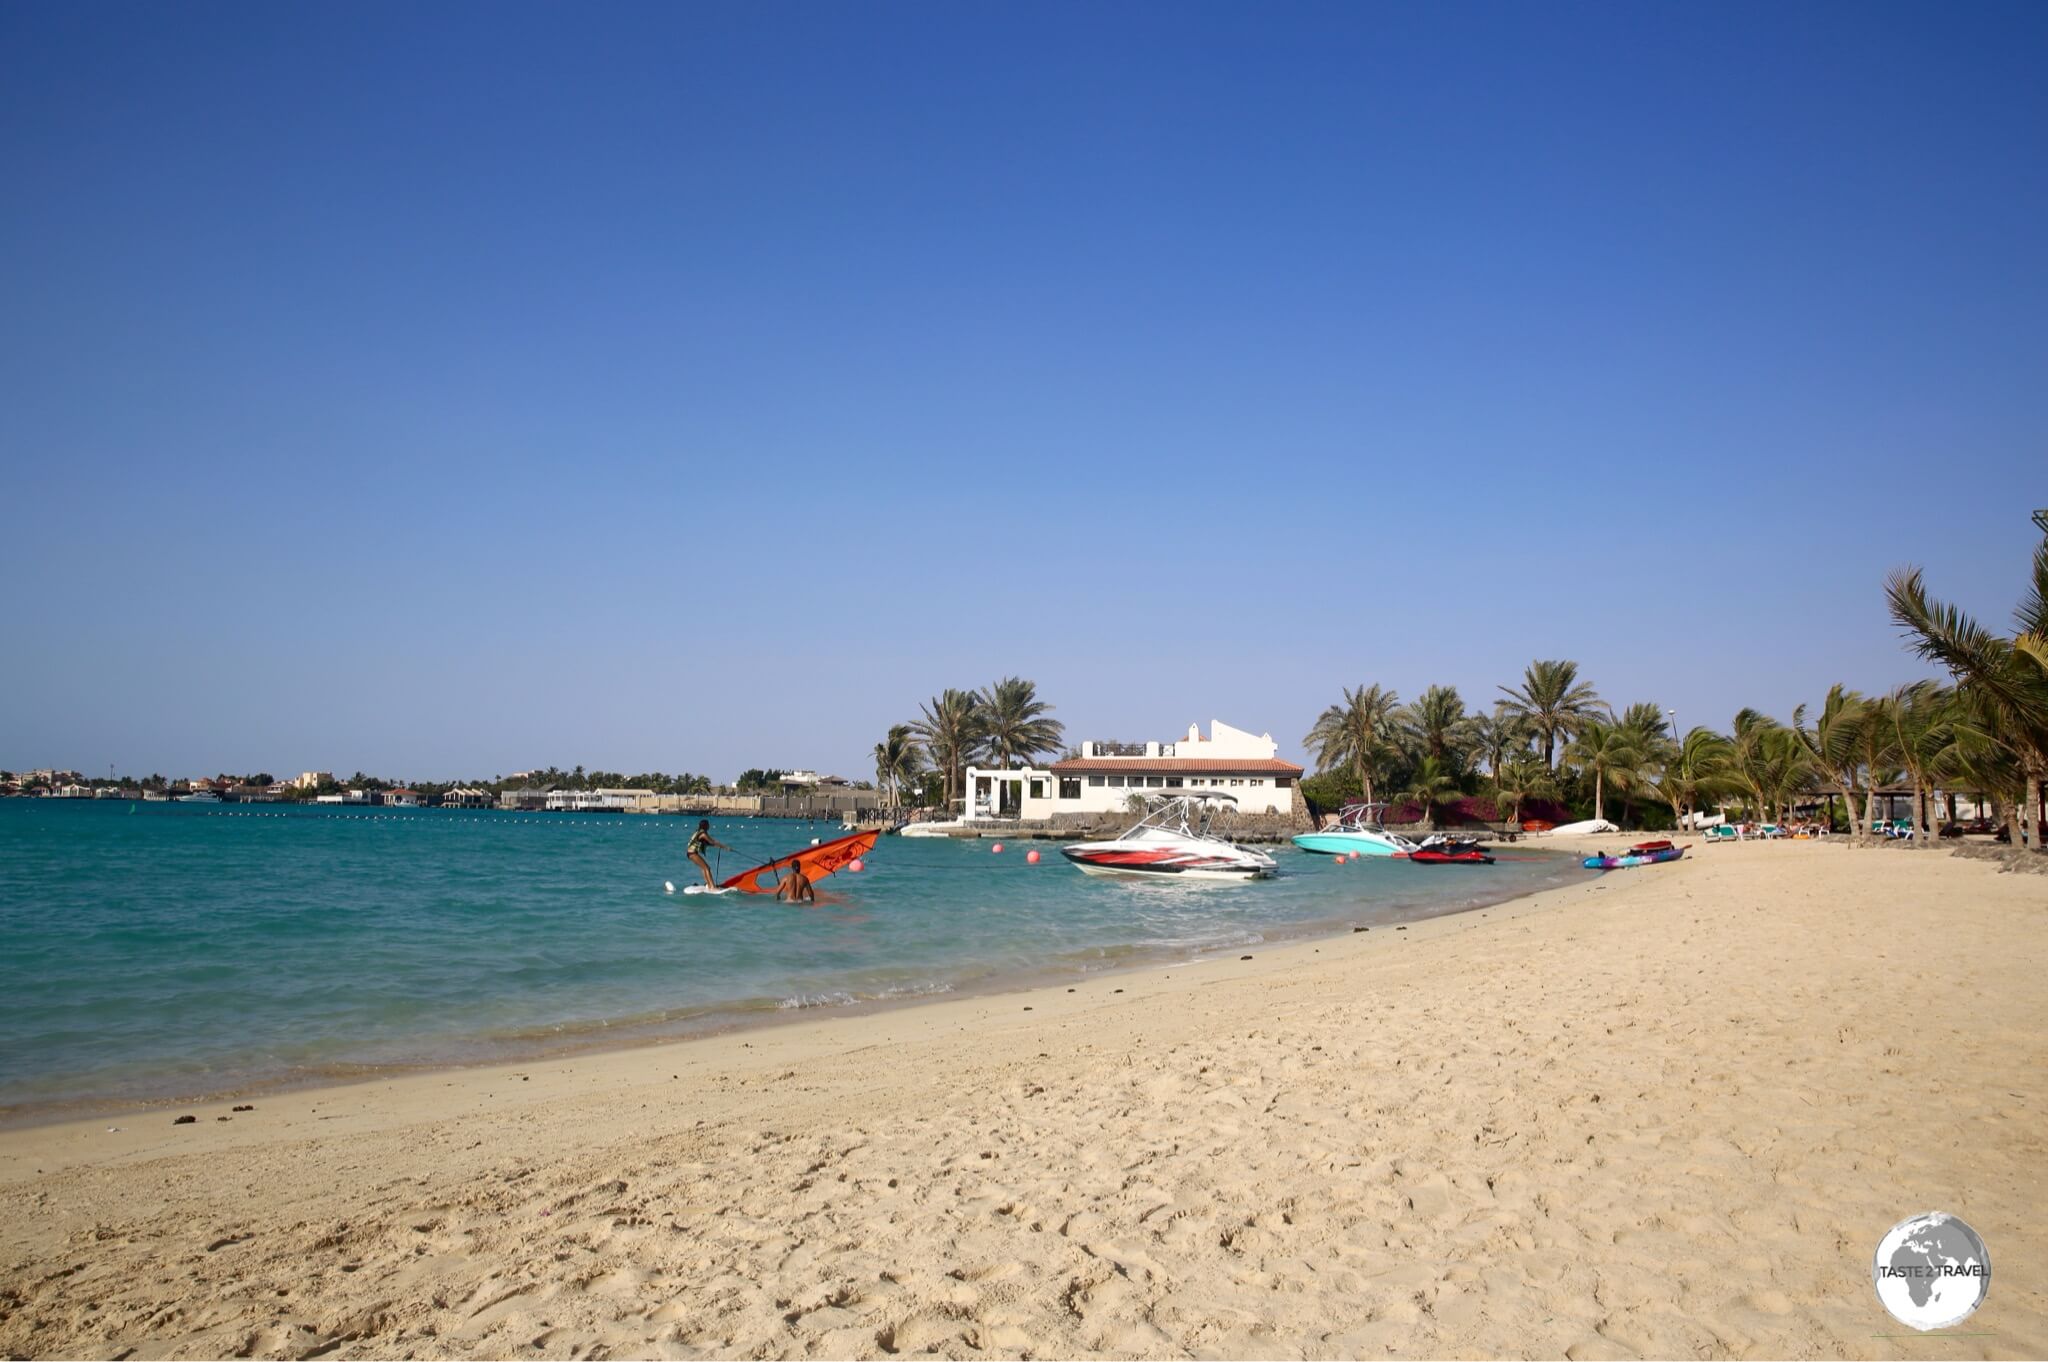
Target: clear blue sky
{"x": 447, "y": 390}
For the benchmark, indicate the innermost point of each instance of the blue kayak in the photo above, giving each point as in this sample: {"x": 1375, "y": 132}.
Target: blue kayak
{"x": 1643, "y": 853}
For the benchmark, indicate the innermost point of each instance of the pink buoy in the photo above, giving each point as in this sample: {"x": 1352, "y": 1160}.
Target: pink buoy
{"x": 997, "y": 849}
{"x": 1340, "y": 858}
{"x": 1031, "y": 857}
{"x": 856, "y": 865}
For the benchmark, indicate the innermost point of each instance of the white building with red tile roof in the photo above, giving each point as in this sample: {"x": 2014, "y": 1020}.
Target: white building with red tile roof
{"x": 1104, "y": 777}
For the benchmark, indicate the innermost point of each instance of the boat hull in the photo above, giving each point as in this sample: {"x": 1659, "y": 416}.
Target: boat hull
{"x": 1161, "y": 864}
{"x": 1347, "y": 844}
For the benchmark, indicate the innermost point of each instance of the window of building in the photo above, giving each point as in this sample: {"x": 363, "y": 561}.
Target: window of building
{"x": 1116, "y": 782}
{"x": 1234, "y": 780}
{"x": 1282, "y": 782}
{"x": 1173, "y": 782}
{"x": 1038, "y": 789}
{"x": 1070, "y": 787}
{"x": 1256, "y": 780}
{"x": 1155, "y": 781}
{"x": 1095, "y": 781}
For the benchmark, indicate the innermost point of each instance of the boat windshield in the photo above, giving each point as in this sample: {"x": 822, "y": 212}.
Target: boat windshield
{"x": 1365, "y": 817}
{"x": 1189, "y": 815}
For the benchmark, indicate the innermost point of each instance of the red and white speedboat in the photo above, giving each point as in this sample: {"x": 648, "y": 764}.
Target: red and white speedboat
{"x": 1173, "y": 840}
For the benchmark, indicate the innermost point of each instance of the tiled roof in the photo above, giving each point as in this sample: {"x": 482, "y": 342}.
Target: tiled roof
{"x": 1179, "y": 766}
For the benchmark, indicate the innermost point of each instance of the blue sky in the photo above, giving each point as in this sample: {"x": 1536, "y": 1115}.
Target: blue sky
{"x": 447, "y": 390}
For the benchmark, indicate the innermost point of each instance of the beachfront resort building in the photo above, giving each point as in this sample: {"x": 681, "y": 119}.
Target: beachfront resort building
{"x": 1105, "y": 775}
{"x": 595, "y": 801}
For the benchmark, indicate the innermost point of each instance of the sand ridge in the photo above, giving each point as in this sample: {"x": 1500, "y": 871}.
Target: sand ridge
{"x": 1667, "y": 1112}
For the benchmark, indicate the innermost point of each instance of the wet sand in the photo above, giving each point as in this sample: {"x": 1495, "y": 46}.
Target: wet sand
{"x": 1667, "y": 1112}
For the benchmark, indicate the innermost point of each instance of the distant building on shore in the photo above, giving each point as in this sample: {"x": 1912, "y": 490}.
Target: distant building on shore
{"x": 596, "y": 801}
{"x": 465, "y": 798}
{"x": 1105, "y": 775}
{"x": 312, "y": 780}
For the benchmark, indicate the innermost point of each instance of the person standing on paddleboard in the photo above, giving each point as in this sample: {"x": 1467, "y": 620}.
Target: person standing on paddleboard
{"x": 699, "y": 840}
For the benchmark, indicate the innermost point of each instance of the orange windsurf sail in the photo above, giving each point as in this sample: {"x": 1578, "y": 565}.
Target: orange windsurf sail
{"x": 818, "y": 862}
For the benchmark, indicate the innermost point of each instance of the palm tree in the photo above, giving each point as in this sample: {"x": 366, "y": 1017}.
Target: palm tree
{"x": 1695, "y": 768}
{"x": 1834, "y": 742}
{"x": 1358, "y": 733}
{"x": 1439, "y": 727}
{"x": 1981, "y": 763}
{"x": 950, "y": 727}
{"x": 1609, "y": 752}
{"x": 1497, "y": 734}
{"x": 1923, "y": 719}
{"x": 1554, "y": 701}
{"x": 896, "y": 762}
{"x": 2008, "y": 678}
{"x": 1014, "y": 722}
{"x": 1430, "y": 785}
{"x": 1770, "y": 759}
{"x": 1523, "y": 775}
{"x": 1877, "y": 752}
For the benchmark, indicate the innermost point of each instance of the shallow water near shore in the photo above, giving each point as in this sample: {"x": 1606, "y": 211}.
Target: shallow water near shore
{"x": 167, "y": 950}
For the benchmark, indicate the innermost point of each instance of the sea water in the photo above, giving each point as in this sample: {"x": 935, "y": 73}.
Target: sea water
{"x": 159, "y": 950}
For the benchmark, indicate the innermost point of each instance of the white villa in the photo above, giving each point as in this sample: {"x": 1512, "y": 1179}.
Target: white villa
{"x": 1105, "y": 776}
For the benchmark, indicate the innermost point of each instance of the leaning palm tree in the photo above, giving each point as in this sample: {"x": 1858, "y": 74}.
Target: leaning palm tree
{"x": 1555, "y": 702}
{"x": 1924, "y": 722}
{"x": 1431, "y": 784}
{"x": 950, "y": 727}
{"x": 2008, "y": 676}
{"x": 897, "y": 762}
{"x": 1358, "y": 733}
{"x": 1014, "y": 723}
{"x": 1692, "y": 770}
{"x": 1611, "y": 754}
{"x": 1877, "y": 752}
{"x": 1770, "y": 759}
{"x": 1982, "y": 764}
{"x": 1834, "y": 742}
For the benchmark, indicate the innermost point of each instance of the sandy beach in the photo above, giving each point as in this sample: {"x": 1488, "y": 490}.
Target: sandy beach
{"x": 1668, "y": 1112}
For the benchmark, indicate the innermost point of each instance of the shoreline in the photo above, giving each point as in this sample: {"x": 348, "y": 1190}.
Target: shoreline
{"x": 800, "y": 1029}
{"x": 711, "y": 1021}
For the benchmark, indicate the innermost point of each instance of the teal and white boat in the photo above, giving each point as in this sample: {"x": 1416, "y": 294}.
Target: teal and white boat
{"x": 1357, "y": 832}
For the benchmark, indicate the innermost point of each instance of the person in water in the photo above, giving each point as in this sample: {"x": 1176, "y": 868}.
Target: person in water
{"x": 699, "y": 840}
{"x": 796, "y": 886}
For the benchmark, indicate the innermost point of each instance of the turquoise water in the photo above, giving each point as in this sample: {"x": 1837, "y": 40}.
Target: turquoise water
{"x": 160, "y": 950}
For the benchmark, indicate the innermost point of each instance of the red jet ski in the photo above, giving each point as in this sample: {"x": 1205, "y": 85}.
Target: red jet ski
{"x": 1450, "y": 856}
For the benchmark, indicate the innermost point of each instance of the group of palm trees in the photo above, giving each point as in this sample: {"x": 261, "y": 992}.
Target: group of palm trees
{"x": 1432, "y": 749}
{"x": 1003, "y": 724}
{"x": 1983, "y": 732}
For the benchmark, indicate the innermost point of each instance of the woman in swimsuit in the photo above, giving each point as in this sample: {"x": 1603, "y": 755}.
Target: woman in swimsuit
{"x": 699, "y": 840}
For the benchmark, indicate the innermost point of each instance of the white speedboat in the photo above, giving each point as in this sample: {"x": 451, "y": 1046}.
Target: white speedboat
{"x": 1357, "y": 832}
{"x": 199, "y": 797}
{"x": 940, "y": 829}
{"x": 1173, "y": 840}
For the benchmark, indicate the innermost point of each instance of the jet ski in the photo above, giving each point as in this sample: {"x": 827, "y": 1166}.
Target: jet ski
{"x": 1450, "y": 853}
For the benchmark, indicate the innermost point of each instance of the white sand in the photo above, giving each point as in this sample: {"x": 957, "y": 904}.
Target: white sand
{"x": 1669, "y": 1112}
